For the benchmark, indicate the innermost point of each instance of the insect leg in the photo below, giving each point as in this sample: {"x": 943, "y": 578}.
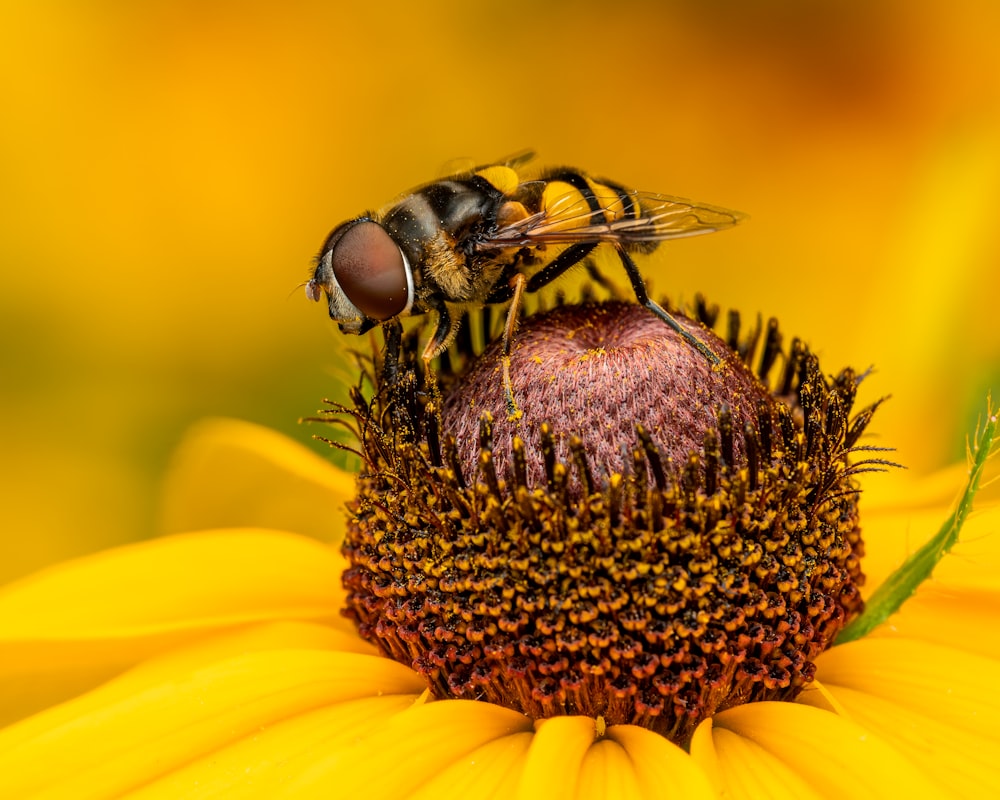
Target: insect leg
{"x": 513, "y": 311}
{"x": 639, "y": 287}
{"x": 504, "y": 290}
{"x": 443, "y": 334}
{"x": 393, "y": 332}
{"x": 562, "y": 262}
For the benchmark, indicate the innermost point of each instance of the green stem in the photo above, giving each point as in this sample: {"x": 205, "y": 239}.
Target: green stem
{"x": 900, "y": 586}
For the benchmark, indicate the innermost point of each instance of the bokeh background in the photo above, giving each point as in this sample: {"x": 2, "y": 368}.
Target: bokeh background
{"x": 170, "y": 168}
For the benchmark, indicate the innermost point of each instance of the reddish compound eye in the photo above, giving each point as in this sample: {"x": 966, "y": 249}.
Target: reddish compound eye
{"x": 372, "y": 271}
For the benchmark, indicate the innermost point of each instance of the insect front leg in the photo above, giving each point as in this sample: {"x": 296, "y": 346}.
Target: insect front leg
{"x": 509, "y": 329}
{"x": 639, "y": 287}
{"x": 393, "y": 332}
{"x": 562, "y": 262}
{"x": 443, "y": 335}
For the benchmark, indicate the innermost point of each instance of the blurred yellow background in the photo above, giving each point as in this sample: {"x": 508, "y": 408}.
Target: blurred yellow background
{"x": 169, "y": 170}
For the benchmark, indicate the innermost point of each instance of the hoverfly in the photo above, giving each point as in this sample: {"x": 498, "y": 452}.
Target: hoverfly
{"x": 486, "y": 236}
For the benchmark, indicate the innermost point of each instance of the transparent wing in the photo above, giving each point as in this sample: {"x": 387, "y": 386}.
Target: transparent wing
{"x": 457, "y": 168}
{"x": 464, "y": 167}
{"x": 514, "y": 161}
{"x": 626, "y": 217}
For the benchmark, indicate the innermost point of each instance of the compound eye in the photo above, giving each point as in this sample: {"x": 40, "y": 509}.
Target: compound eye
{"x": 371, "y": 270}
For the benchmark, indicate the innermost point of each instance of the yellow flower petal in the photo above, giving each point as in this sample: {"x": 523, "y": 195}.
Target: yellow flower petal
{"x": 262, "y": 764}
{"x": 805, "y": 747}
{"x": 662, "y": 769}
{"x": 201, "y": 580}
{"x": 463, "y": 749}
{"x": 741, "y": 768}
{"x": 228, "y": 473}
{"x": 559, "y": 748}
{"x": 412, "y": 748}
{"x": 891, "y": 536}
{"x": 76, "y": 624}
{"x": 961, "y": 762}
{"x": 491, "y": 770}
{"x": 607, "y": 771}
{"x": 170, "y": 712}
{"x": 962, "y": 599}
{"x": 631, "y": 762}
{"x": 947, "y": 685}
{"x": 947, "y": 616}
{"x": 901, "y": 513}
{"x": 902, "y": 491}
{"x": 974, "y": 565}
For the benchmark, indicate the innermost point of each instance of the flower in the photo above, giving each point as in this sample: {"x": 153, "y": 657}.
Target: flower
{"x": 218, "y": 662}
{"x": 681, "y": 539}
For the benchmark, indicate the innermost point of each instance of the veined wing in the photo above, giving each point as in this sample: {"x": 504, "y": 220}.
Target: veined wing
{"x": 459, "y": 168}
{"x": 464, "y": 167}
{"x": 626, "y": 217}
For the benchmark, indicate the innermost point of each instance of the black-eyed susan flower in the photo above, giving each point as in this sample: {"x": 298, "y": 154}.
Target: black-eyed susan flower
{"x": 593, "y": 609}
{"x": 680, "y": 540}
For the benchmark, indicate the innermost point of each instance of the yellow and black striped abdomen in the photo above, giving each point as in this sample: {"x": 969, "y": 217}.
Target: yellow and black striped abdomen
{"x": 573, "y": 201}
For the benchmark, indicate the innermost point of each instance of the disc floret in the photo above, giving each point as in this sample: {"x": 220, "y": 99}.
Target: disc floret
{"x": 653, "y": 541}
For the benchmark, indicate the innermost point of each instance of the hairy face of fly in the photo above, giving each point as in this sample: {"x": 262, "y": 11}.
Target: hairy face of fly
{"x": 365, "y": 275}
